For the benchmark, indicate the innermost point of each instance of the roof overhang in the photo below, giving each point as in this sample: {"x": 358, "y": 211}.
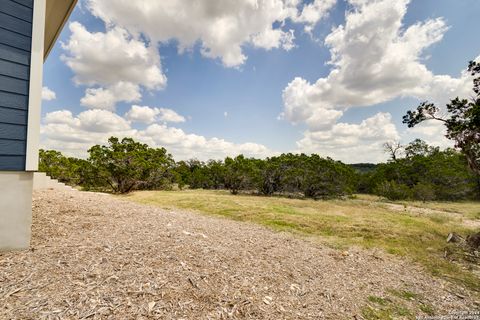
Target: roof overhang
{"x": 56, "y": 15}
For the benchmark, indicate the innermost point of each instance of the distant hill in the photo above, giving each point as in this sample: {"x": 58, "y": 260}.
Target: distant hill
{"x": 364, "y": 167}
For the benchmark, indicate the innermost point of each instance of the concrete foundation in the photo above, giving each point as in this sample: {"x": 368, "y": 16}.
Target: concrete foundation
{"x": 42, "y": 181}
{"x": 15, "y": 210}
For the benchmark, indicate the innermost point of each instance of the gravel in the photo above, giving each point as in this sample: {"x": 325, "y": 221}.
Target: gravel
{"x": 95, "y": 256}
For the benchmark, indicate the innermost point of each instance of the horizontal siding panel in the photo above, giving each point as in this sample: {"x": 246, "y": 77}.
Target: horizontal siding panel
{"x": 16, "y": 25}
{"x": 13, "y": 116}
{"x": 14, "y": 70}
{"x": 27, "y": 3}
{"x": 13, "y": 131}
{"x": 16, "y": 10}
{"x": 14, "y": 54}
{"x": 12, "y": 147}
{"x": 15, "y": 40}
{"x": 12, "y": 100}
{"x": 12, "y": 163}
{"x": 13, "y": 85}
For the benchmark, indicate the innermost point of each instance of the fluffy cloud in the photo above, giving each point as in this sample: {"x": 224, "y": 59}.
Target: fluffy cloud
{"x": 142, "y": 114}
{"x": 185, "y": 146}
{"x": 48, "y": 94}
{"x": 374, "y": 59}
{"x": 115, "y": 62}
{"x": 432, "y": 132}
{"x": 97, "y": 121}
{"x": 59, "y": 117}
{"x": 168, "y": 115}
{"x": 313, "y": 12}
{"x": 63, "y": 131}
{"x": 149, "y": 115}
{"x": 107, "y": 98}
{"x": 221, "y": 27}
{"x": 352, "y": 142}
{"x": 102, "y": 121}
{"x": 108, "y": 58}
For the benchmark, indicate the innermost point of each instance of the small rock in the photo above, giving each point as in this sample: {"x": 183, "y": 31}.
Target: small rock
{"x": 454, "y": 237}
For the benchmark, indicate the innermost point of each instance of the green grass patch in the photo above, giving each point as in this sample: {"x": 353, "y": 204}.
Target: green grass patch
{"x": 428, "y": 309}
{"x": 378, "y": 300}
{"x": 404, "y": 294}
{"x": 395, "y": 306}
{"x": 374, "y": 311}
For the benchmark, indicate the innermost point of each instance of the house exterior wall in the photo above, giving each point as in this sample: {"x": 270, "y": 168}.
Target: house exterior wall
{"x": 16, "y": 21}
{"x": 21, "y": 64}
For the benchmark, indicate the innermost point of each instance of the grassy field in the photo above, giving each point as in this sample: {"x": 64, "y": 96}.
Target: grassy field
{"x": 414, "y": 229}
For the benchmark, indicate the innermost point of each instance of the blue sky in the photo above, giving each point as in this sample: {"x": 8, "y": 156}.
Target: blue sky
{"x": 254, "y": 106}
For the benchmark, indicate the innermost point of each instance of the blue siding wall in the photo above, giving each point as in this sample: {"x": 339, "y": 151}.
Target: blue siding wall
{"x": 15, "y": 44}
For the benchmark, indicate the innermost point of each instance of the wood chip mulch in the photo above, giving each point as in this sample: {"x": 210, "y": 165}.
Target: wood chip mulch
{"x": 97, "y": 257}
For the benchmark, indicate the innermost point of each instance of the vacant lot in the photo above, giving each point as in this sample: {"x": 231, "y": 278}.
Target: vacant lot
{"x": 413, "y": 229}
{"x": 98, "y": 257}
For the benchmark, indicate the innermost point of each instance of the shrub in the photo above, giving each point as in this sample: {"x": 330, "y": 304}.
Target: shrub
{"x": 393, "y": 191}
{"x": 423, "y": 191}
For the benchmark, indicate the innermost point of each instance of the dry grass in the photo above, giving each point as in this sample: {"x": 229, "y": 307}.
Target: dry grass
{"x": 414, "y": 230}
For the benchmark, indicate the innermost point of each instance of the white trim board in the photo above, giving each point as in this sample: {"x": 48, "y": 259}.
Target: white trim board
{"x": 35, "y": 90}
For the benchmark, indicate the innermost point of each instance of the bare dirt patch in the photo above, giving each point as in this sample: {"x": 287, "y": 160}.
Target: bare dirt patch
{"x": 97, "y": 257}
{"x": 469, "y": 223}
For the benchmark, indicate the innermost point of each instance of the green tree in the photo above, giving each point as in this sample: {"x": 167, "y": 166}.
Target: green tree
{"x": 53, "y": 163}
{"x": 127, "y": 165}
{"x": 419, "y": 147}
{"x": 462, "y": 122}
{"x": 444, "y": 172}
{"x": 198, "y": 178}
{"x": 316, "y": 177}
{"x": 239, "y": 173}
{"x": 64, "y": 169}
{"x": 270, "y": 175}
{"x": 215, "y": 173}
{"x": 326, "y": 178}
{"x": 182, "y": 174}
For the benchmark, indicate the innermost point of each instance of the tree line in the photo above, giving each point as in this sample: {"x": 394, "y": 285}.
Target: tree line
{"x": 422, "y": 172}
{"x": 126, "y": 165}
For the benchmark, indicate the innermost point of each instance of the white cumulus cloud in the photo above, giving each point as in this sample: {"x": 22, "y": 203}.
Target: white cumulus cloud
{"x": 114, "y": 62}
{"x": 221, "y": 27}
{"x": 313, "y": 12}
{"x": 145, "y": 114}
{"x": 352, "y": 142}
{"x": 186, "y": 145}
{"x": 374, "y": 58}
{"x": 48, "y": 94}
{"x": 74, "y": 135}
{"x": 107, "y": 98}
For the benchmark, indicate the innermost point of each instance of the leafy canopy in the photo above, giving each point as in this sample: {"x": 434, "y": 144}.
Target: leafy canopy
{"x": 127, "y": 165}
